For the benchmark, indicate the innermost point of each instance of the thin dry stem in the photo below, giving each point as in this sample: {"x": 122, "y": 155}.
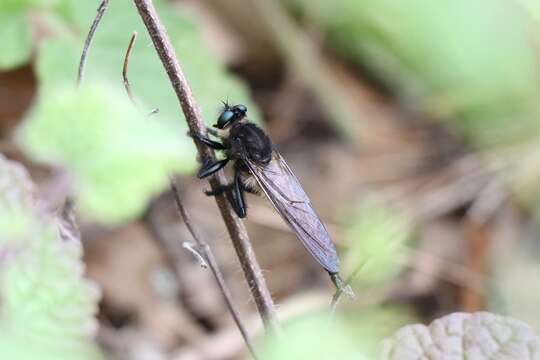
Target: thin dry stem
{"x": 195, "y": 252}
{"x": 192, "y": 112}
{"x": 203, "y": 252}
{"x": 126, "y": 65}
{"x": 84, "y": 56}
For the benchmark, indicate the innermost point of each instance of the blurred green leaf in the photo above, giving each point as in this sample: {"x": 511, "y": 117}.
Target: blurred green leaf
{"x": 471, "y": 62}
{"x": 15, "y": 30}
{"x": 376, "y": 236}
{"x": 15, "y": 40}
{"x": 20, "y": 5}
{"x": 120, "y": 157}
{"x": 59, "y": 60}
{"x": 352, "y": 335}
{"x": 533, "y": 7}
{"x": 374, "y": 323}
{"x": 314, "y": 337}
{"x": 48, "y": 308}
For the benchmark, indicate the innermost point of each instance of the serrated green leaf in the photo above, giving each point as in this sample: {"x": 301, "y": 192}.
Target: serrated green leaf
{"x": 119, "y": 156}
{"x": 48, "y": 308}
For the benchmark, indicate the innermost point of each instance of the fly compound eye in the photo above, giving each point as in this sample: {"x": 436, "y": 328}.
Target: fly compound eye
{"x": 241, "y": 109}
{"x": 224, "y": 119}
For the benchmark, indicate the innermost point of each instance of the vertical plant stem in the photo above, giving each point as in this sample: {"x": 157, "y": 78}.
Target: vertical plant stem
{"x": 210, "y": 261}
{"x": 192, "y": 112}
{"x": 127, "y": 85}
{"x": 84, "y": 55}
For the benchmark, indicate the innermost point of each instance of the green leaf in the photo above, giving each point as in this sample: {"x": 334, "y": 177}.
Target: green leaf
{"x": 314, "y": 337}
{"x": 59, "y": 60}
{"x": 376, "y": 236}
{"x": 119, "y": 156}
{"x": 533, "y": 7}
{"x": 15, "y": 40}
{"x": 48, "y": 308}
{"x": 15, "y": 30}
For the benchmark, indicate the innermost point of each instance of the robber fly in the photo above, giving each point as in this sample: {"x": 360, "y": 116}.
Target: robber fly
{"x": 259, "y": 169}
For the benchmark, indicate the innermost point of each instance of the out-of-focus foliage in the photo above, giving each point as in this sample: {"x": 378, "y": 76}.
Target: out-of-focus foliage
{"x": 508, "y": 296}
{"x": 47, "y": 308}
{"x": 118, "y": 155}
{"x": 376, "y": 236}
{"x": 59, "y": 59}
{"x": 318, "y": 336}
{"x": 533, "y": 7}
{"x": 15, "y": 29}
{"x": 15, "y": 37}
{"x": 471, "y": 62}
{"x": 478, "y": 336}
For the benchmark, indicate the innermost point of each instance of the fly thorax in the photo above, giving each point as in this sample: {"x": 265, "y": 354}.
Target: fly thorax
{"x": 248, "y": 140}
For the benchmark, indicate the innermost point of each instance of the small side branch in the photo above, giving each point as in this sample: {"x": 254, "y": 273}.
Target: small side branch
{"x": 82, "y": 63}
{"x": 191, "y": 248}
{"x": 206, "y": 258}
{"x": 126, "y": 65}
{"x": 194, "y": 119}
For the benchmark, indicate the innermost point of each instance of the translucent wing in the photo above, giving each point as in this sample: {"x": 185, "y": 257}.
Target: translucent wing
{"x": 283, "y": 190}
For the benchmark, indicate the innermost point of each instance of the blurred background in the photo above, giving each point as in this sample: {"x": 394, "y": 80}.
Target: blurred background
{"x": 413, "y": 125}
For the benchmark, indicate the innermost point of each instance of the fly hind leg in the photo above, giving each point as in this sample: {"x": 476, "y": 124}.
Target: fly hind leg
{"x": 235, "y": 195}
{"x": 238, "y": 190}
{"x": 210, "y": 168}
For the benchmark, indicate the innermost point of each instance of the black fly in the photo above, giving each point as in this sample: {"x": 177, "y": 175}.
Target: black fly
{"x": 260, "y": 169}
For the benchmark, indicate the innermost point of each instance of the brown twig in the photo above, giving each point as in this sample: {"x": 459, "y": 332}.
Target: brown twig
{"x": 82, "y": 63}
{"x": 192, "y": 112}
{"x": 126, "y": 65}
{"x": 203, "y": 251}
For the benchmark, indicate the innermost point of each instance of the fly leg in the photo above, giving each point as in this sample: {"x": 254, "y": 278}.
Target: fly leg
{"x": 212, "y": 131}
{"x": 210, "y": 168}
{"x": 235, "y": 195}
{"x": 211, "y": 143}
{"x": 238, "y": 195}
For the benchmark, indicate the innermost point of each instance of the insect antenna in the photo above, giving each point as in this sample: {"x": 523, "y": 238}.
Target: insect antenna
{"x": 225, "y": 103}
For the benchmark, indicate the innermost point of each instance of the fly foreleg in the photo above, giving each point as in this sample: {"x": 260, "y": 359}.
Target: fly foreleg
{"x": 209, "y": 142}
{"x": 211, "y": 167}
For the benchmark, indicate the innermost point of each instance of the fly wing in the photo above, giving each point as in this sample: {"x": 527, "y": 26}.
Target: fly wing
{"x": 284, "y": 191}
